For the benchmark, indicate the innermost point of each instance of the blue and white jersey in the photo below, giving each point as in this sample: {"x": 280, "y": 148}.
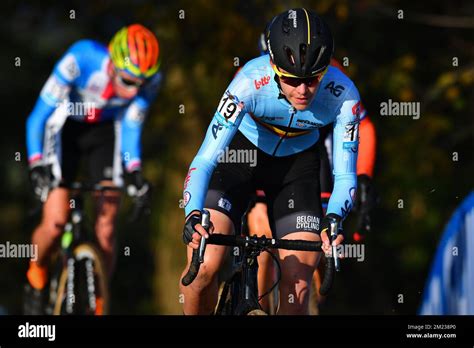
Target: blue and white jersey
{"x": 80, "y": 88}
{"x": 253, "y": 105}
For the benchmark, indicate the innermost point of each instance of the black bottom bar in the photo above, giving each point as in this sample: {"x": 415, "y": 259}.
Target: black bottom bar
{"x": 158, "y": 330}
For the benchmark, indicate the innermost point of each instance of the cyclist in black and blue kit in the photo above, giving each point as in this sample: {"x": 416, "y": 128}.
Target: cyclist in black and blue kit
{"x": 257, "y": 221}
{"x": 274, "y": 108}
{"x": 92, "y": 107}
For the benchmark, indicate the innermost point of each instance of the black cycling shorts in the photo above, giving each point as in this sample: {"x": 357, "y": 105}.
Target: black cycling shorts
{"x": 91, "y": 145}
{"x": 291, "y": 185}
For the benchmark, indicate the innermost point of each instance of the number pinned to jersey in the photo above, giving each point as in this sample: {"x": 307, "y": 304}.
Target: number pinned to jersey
{"x": 135, "y": 115}
{"x": 54, "y": 91}
{"x": 351, "y": 132}
{"x": 229, "y": 109}
{"x": 68, "y": 67}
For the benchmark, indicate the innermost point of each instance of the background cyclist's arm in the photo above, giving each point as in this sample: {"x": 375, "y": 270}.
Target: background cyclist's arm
{"x": 367, "y": 147}
{"x": 54, "y": 92}
{"x": 366, "y": 194}
{"x": 236, "y": 101}
{"x": 345, "y": 147}
{"x": 132, "y": 123}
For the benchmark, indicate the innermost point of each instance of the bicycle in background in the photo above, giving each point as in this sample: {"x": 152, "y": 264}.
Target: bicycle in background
{"x": 78, "y": 281}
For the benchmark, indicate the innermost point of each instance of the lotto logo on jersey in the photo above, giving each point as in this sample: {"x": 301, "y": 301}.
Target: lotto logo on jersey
{"x": 188, "y": 177}
{"x": 186, "y": 198}
{"x": 262, "y": 82}
{"x": 356, "y": 109}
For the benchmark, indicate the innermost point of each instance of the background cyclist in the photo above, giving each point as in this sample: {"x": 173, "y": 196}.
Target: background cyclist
{"x": 92, "y": 107}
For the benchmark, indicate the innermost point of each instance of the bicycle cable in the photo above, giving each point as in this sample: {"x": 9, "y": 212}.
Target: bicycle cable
{"x": 278, "y": 277}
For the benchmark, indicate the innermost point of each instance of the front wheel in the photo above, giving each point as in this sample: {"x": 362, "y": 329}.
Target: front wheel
{"x": 83, "y": 284}
{"x": 257, "y": 312}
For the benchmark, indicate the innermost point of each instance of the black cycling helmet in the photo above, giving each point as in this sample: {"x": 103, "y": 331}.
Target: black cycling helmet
{"x": 300, "y": 42}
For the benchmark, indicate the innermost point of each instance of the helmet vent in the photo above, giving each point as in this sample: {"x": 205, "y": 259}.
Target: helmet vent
{"x": 303, "y": 48}
{"x": 289, "y": 55}
{"x": 317, "y": 54}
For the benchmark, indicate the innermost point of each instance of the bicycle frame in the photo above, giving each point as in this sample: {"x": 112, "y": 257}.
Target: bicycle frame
{"x": 72, "y": 236}
{"x": 245, "y": 289}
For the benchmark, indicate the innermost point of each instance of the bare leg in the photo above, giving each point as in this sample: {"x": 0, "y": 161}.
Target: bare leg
{"x": 200, "y": 297}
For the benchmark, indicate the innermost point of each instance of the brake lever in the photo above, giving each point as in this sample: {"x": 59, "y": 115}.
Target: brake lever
{"x": 205, "y": 223}
{"x": 333, "y": 227}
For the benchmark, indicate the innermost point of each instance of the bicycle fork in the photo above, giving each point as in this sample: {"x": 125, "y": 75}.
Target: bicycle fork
{"x": 71, "y": 236}
{"x": 248, "y": 286}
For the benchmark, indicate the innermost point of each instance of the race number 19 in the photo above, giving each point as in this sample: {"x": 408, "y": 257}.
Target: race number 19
{"x": 228, "y": 108}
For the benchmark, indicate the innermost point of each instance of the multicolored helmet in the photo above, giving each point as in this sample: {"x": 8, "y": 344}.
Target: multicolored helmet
{"x": 135, "y": 49}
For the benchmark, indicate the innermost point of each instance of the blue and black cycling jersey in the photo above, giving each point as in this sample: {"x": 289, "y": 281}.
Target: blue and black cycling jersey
{"x": 254, "y": 105}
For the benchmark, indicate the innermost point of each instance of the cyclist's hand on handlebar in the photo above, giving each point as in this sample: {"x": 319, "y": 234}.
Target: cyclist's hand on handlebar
{"x": 325, "y": 230}
{"x": 141, "y": 190}
{"x": 193, "y": 231}
{"x": 138, "y": 186}
{"x": 40, "y": 179}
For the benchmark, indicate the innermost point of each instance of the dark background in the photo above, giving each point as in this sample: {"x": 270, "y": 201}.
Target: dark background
{"x": 409, "y": 59}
